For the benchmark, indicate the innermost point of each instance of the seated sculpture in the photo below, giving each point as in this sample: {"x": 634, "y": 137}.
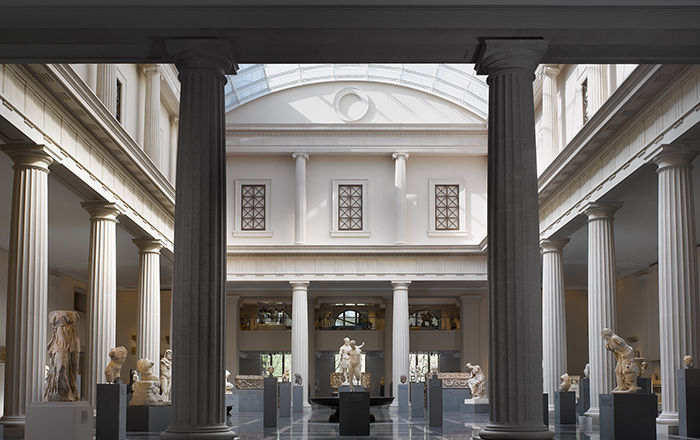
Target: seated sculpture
{"x": 626, "y": 370}
{"x": 64, "y": 356}
{"x": 147, "y": 389}
{"x": 113, "y": 371}
{"x": 476, "y": 381}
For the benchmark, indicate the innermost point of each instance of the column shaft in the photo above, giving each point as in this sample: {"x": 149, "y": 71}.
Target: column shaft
{"x": 148, "y": 335}
{"x": 300, "y": 333}
{"x": 469, "y": 320}
{"x": 151, "y": 138}
{"x": 27, "y": 285}
{"x": 400, "y": 334}
{"x": 107, "y": 86}
{"x": 601, "y": 298}
{"x": 388, "y": 346}
{"x": 550, "y": 139}
{"x": 678, "y": 273}
{"x": 553, "y": 315}
{"x": 198, "y": 408}
{"x": 102, "y": 291}
{"x": 173, "y": 150}
{"x": 515, "y": 305}
{"x": 310, "y": 385}
{"x": 400, "y": 215}
{"x": 300, "y": 198}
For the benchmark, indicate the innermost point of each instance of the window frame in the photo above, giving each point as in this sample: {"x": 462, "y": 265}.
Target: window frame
{"x": 121, "y": 98}
{"x": 432, "y": 230}
{"x": 238, "y": 208}
{"x": 335, "y": 230}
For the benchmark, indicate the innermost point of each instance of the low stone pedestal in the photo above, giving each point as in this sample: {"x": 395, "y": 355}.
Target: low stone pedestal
{"x": 298, "y": 398}
{"x": 625, "y": 416}
{"x": 249, "y": 400}
{"x": 354, "y": 413}
{"x": 434, "y": 399}
{"x": 453, "y": 399}
{"x": 403, "y": 397}
{"x": 285, "y": 400}
{"x": 644, "y": 384}
{"x": 270, "y": 403}
{"x": 148, "y": 418}
{"x": 232, "y": 403}
{"x": 59, "y": 421}
{"x": 584, "y": 396}
{"x": 111, "y": 411}
{"x": 417, "y": 400}
{"x": 346, "y": 389}
{"x": 478, "y": 405}
{"x": 689, "y": 402}
{"x": 565, "y": 408}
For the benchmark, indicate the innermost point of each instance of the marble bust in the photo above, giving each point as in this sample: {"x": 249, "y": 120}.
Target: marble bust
{"x": 687, "y": 362}
{"x": 565, "y": 382}
{"x": 113, "y": 371}
{"x": 64, "y": 357}
{"x": 626, "y": 370}
{"x": 403, "y": 378}
{"x": 147, "y": 389}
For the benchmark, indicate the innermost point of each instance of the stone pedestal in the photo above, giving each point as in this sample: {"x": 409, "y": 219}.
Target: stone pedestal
{"x": 148, "y": 418}
{"x": 298, "y": 398}
{"x": 417, "y": 399}
{"x": 689, "y": 403}
{"x": 477, "y": 406}
{"x": 111, "y": 411}
{"x": 403, "y": 397}
{"x": 584, "y": 396}
{"x": 644, "y": 384}
{"x": 285, "y": 399}
{"x": 453, "y": 399}
{"x": 232, "y": 403}
{"x": 354, "y": 413}
{"x": 270, "y": 403}
{"x": 631, "y": 416}
{"x": 250, "y": 400}
{"x": 434, "y": 402}
{"x": 59, "y": 421}
{"x": 565, "y": 408}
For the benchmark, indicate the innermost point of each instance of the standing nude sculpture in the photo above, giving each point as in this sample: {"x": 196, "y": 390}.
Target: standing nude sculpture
{"x": 166, "y": 368}
{"x": 64, "y": 356}
{"x": 626, "y": 370}
{"x": 113, "y": 371}
{"x": 345, "y": 359}
{"x": 355, "y": 361}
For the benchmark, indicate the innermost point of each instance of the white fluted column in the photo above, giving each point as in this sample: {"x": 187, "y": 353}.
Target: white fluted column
{"x": 310, "y": 384}
{"x": 388, "y": 344}
{"x": 679, "y": 329}
{"x": 106, "y": 87}
{"x": 515, "y": 302}
{"x": 597, "y": 87}
{"x": 553, "y": 315}
{"x": 148, "y": 335}
{"x": 550, "y": 120}
{"x": 102, "y": 291}
{"x": 400, "y": 335}
{"x": 199, "y": 301}
{"x": 173, "y": 149}
{"x": 27, "y": 281}
{"x": 601, "y": 297}
{"x": 400, "y": 212}
{"x": 300, "y": 198}
{"x": 151, "y": 138}
{"x": 300, "y": 333}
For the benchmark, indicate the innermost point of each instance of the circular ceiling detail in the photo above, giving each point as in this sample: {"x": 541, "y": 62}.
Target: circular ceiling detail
{"x": 351, "y": 104}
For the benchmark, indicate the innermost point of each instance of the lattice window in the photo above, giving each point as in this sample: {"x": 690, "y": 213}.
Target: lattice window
{"x": 446, "y": 207}
{"x": 350, "y": 207}
{"x": 252, "y": 207}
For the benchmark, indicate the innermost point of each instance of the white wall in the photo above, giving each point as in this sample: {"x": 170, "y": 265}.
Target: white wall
{"x": 3, "y": 320}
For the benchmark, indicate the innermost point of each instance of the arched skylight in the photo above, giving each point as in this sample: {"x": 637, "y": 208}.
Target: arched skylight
{"x": 457, "y": 83}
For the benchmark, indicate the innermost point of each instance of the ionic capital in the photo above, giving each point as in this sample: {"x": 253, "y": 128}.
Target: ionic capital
{"x": 673, "y": 156}
{"x": 304, "y": 156}
{"x": 299, "y": 285}
{"x": 400, "y": 155}
{"x": 28, "y": 156}
{"x": 503, "y": 55}
{"x": 601, "y": 210}
{"x": 553, "y": 245}
{"x": 101, "y": 210}
{"x": 202, "y": 54}
{"x": 400, "y": 285}
{"x": 148, "y": 245}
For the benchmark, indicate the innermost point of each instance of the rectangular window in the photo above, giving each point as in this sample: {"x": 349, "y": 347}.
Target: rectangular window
{"x": 446, "y": 207}
{"x": 253, "y": 207}
{"x": 584, "y": 100}
{"x": 118, "y": 115}
{"x": 350, "y": 207}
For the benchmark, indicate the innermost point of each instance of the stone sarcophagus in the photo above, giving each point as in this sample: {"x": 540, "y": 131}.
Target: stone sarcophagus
{"x": 249, "y": 382}
{"x": 454, "y": 380}
{"x": 337, "y": 380}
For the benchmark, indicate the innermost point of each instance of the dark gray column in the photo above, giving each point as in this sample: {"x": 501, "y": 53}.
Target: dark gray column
{"x": 515, "y": 303}
{"x": 199, "y": 304}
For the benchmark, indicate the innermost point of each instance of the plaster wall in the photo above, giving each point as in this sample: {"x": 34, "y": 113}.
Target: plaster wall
{"x": 576, "y": 331}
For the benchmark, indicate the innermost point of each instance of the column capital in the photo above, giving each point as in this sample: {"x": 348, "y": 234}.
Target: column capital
{"x": 150, "y": 69}
{"x": 100, "y": 210}
{"x": 304, "y": 156}
{"x": 673, "y": 156}
{"x": 601, "y": 210}
{"x": 551, "y": 70}
{"x": 553, "y": 244}
{"x": 202, "y": 54}
{"x": 28, "y": 156}
{"x": 299, "y": 285}
{"x": 400, "y": 285}
{"x": 400, "y": 155}
{"x": 498, "y": 56}
{"x": 148, "y": 245}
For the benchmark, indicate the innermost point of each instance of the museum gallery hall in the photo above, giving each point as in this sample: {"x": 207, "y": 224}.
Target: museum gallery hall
{"x": 453, "y": 219}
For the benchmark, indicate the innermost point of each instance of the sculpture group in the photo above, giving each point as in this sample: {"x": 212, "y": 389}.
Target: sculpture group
{"x": 351, "y": 362}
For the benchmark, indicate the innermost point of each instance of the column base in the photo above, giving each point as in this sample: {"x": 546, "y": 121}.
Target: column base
{"x": 12, "y": 421}
{"x": 667, "y": 418}
{"x": 210, "y": 432}
{"x": 493, "y": 431}
{"x": 593, "y": 413}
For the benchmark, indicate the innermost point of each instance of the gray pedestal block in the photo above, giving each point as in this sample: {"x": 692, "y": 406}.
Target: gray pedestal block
{"x": 232, "y": 403}
{"x": 565, "y": 408}
{"x": 148, "y": 418}
{"x": 689, "y": 402}
{"x": 627, "y": 416}
{"x": 270, "y": 402}
{"x": 644, "y": 384}
{"x": 434, "y": 399}
{"x": 111, "y": 411}
{"x": 403, "y": 397}
{"x": 453, "y": 399}
{"x": 59, "y": 421}
{"x": 249, "y": 400}
{"x": 417, "y": 400}
{"x": 477, "y": 406}
{"x": 298, "y": 398}
{"x": 285, "y": 399}
{"x": 346, "y": 388}
{"x": 545, "y": 409}
{"x": 584, "y": 396}
{"x": 354, "y": 413}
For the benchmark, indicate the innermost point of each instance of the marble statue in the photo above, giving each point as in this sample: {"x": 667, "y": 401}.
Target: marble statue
{"x": 687, "y": 362}
{"x": 476, "y": 381}
{"x": 355, "y": 364}
{"x": 113, "y": 371}
{"x": 565, "y": 382}
{"x": 166, "y": 374}
{"x": 297, "y": 379}
{"x": 345, "y": 359}
{"x": 64, "y": 357}
{"x": 285, "y": 376}
{"x": 403, "y": 378}
{"x": 587, "y": 370}
{"x": 147, "y": 389}
{"x": 626, "y": 370}
{"x": 643, "y": 368}
{"x": 229, "y": 385}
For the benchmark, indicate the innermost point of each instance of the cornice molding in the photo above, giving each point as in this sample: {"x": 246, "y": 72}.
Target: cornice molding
{"x": 357, "y": 130}
{"x": 372, "y": 250}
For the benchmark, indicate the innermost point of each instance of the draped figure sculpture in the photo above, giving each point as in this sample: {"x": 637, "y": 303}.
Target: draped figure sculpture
{"x": 626, "y": 370}
{"x": 64, "y": 357}
{"x": 166, "y": 372}
{"x": 344, "y": 355}
{"x": 476, "y": 381}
